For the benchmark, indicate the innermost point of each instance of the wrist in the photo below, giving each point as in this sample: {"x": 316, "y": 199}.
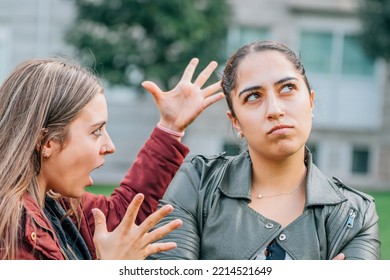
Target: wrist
{"x": 175, "y": 133}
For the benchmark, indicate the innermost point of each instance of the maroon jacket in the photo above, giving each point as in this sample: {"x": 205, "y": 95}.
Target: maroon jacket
{"x": 150, "y": 174}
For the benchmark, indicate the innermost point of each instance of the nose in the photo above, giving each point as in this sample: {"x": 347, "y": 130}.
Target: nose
{"x": 108, "y": 147}
{"x": 274, "y": 109}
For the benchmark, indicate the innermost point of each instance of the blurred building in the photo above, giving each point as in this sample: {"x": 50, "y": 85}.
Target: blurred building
{"x": 351, "y": 133}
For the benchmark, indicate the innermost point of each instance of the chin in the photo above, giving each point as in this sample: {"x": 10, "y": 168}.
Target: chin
{"x": 284, "y": 150}
{"x": 77, "y": 195}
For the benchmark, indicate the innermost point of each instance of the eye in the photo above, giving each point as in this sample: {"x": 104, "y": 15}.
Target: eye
{"x": 287, "y": 88}
{"x": 97, "y": 132}
{"x": 252, "y": 96}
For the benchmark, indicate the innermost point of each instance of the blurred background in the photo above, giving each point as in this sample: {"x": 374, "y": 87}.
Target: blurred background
{"x": 344, "y": 44}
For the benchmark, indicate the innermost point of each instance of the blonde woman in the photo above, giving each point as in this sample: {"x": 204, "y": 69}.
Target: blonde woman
{"x": 53, "y": 117}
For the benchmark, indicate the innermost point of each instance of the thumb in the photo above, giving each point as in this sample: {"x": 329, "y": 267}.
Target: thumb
{"x": 100, "y": 223}
{"x": 339, "y": 257}
{"x": 152, "y": 88}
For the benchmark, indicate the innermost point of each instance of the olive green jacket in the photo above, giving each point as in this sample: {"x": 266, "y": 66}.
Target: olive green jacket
{"x": 211, "y": 196}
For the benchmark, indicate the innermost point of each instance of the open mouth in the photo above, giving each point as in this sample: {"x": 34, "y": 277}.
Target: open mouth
{"x": 90, "y": 180}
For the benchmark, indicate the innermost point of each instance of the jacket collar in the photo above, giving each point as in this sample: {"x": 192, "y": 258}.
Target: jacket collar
{"x": 38, "y": 233}
{"x": 320, "y": 190}
{"x": 237, "y": 180}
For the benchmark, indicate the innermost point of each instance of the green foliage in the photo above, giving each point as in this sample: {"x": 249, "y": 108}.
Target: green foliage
{"x": 375, "y": 37}
{"x": 101, "y": 189}
{"x": 382, "y": 200}
{"x": 128, "y": 41}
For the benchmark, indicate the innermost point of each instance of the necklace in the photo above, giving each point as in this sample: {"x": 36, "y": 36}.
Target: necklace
{"x": 260, "y": 196}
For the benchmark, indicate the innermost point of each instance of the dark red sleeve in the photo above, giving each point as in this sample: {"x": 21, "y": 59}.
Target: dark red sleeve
{"x": 150, "y": 174}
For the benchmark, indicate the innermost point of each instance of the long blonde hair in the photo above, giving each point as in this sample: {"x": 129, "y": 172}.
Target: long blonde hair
{"x": 38, "y": 100}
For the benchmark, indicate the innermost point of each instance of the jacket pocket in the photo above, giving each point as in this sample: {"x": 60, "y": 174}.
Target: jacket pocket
{"x": 343, "y": 235}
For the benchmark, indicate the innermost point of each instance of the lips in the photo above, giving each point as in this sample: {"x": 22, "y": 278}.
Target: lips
{"x": 90, "y": 180}
{"x": 278, "y": 127}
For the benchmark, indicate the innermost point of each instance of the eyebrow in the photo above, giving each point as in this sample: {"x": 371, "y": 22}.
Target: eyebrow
{"x": 281, "y": 81}
{"x": 99, "y": 124}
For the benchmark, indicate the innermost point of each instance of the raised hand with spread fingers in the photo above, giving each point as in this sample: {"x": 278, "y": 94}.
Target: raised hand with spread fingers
{"x": 180, "y": 106}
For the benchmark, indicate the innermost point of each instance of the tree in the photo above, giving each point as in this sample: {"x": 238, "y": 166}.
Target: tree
{"x": 375, "y": 37}
{"x": 128, "y": 41}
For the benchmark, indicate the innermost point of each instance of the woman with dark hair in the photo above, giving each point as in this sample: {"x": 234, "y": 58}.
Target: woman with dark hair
{"x": 270, "y": 201}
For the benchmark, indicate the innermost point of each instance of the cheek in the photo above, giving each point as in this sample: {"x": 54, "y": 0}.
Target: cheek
{"x": 303, "y": 106}
{"x": 251, "y": 124}
{"x": 85, "y": 157}
{"x": 305, "y": 113}
{"x": 306, "y": 119}
{"x": 70, "y": 162}
{"x": 79, "y": 157}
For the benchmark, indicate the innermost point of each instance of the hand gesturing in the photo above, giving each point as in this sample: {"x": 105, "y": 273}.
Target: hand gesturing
{"x": 180, "y": 106}
{"x": 129, "y": 241}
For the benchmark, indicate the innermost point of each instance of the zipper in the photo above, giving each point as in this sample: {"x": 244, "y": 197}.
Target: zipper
{"x": 344, "y": 232}
{"x": 351, "y": 218}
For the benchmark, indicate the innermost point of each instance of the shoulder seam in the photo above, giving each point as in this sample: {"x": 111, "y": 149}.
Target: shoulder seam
{"x": 341, "y": 184}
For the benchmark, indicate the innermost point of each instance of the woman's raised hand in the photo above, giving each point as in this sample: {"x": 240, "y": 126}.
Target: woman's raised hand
{"x": 129, "y": 241}
{"x": 180, "y": 106}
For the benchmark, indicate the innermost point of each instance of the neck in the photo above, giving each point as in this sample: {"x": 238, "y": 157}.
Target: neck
{"x": 270, "y": 176}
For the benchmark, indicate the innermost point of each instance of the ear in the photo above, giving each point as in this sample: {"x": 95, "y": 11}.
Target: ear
{"x": 312, "y": 99}
{"x": 48, "y": 148}
{"x": 234, "y": 121}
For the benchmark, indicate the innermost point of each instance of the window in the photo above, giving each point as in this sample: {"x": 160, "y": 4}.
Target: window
{"x": 341, "y": 75}
{"x": 355, "y": 61}
{"x": 360, "y": 160}
{"x": 334, "y": 53}
{"x": 317, "y": 51}
{"x": 251, "y": 34}
{"x": 242, "y": 35}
